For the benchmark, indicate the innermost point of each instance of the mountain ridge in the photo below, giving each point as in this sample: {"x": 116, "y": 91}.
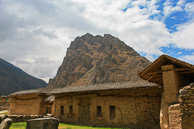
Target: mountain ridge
{"x": 14, "y": 79}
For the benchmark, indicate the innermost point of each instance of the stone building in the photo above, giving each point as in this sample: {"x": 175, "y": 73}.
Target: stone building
{"x": 172, "y": 74}
{"x": 30, "y": 102}
{"x": 134, "y": 105}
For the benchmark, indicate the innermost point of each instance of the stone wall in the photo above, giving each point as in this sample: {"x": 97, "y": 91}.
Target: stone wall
{"x": 181, "y": 115}
{"x": 174, "y": 116}
{"x": 186, "y": 99}
{"x": 136, "y": 108}
{"x": 27, "y": 105}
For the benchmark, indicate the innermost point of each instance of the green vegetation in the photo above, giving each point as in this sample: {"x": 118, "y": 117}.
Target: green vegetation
{"x": 22, "y": 125}
{"x": 68, "y": 126}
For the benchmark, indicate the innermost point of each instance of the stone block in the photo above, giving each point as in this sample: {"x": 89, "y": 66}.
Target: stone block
{"x": 42, "y": 123}
{"x": 6, "y": 123}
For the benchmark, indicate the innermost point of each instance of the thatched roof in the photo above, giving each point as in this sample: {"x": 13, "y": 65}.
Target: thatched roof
{"x": 104, "y": 87}
{"x": 28, "y": 92}
{"x": 153, "y": 73}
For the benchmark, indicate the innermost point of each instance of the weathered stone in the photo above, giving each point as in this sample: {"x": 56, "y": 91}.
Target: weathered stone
{"x": 43, "y": 123}
{"x": 6, "y": 123}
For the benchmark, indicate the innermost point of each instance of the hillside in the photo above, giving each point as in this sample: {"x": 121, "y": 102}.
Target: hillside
{"x": 96, "y": 60}
{"x": 13, "y": 79}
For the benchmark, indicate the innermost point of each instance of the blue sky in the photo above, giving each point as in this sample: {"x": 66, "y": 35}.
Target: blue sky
{"x": 34, "y": 34}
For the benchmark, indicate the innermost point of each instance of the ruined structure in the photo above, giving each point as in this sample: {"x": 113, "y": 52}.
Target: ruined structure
{"x": 30, "y": 102}
{"x": 172, "y": 74}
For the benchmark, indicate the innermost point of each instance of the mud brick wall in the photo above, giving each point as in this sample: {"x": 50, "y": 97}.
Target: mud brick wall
{"x": 186, "y": 99}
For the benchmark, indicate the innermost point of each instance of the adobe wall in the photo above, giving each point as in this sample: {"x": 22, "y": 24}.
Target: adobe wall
{"x": 137, "y": 108}
{"x": 26, "y": 105}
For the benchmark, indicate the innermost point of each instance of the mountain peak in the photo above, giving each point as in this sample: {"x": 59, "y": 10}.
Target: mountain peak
{"x": 96, "y": 59}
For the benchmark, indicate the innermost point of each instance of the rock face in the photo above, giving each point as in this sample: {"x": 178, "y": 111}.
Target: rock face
{"x": 43, "y": 123}
{"x": 96, "y": 59}
{"x": 13, "y": 79}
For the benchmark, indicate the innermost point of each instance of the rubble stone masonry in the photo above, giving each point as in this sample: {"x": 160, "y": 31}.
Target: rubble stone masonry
{"x": 181, "y": 115}
{"x": 186, "y": 99}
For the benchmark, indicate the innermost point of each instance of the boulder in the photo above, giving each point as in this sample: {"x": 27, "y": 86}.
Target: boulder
{"x": 6, "y": 123}
{"x": 43, "y": 123}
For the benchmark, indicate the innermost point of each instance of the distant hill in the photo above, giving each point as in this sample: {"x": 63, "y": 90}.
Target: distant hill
{"x": 96, "y": 60}
{"x": 13, "y": 79}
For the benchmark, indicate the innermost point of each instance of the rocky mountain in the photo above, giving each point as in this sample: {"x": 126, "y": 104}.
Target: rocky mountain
{"x": 13, "y": 79}
{"x": 96, "y": 59}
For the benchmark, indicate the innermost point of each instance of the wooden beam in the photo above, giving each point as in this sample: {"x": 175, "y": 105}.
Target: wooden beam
{"x": 183, "y": 69}
{"x": 151, "y": 76}
{"x": 156, "y": 72}
{"x": 186, "y": 72}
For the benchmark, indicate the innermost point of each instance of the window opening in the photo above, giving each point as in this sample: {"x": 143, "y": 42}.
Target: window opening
{"x": 112, "y": 112}
{"x": 62, "y": 110}
{"x": 99, "y": 111}
{"x": 70, "y": 109}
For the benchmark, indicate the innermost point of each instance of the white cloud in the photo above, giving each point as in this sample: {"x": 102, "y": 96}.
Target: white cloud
{"x": 179, "y": 53}
{"x": 169, "y": 8}
{"x": 188, "y": 58}
{"x": 184, "y": 38}
{"x": 189, "y": 8}
{"x": 34, "y": 34}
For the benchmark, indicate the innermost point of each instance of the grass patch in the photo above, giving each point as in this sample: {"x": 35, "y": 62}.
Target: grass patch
{"x": 68, "y": 126}
{"x": 22, "y": 125}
